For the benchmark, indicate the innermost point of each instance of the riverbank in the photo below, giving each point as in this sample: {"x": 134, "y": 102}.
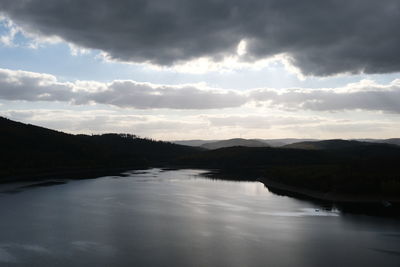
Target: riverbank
{"x": 329, "y": 196}
{"x": 369, "y": 204}
{"x": 72, "y": 174}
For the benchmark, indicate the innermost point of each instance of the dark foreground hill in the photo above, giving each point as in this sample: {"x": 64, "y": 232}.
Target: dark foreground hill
{"x": 332, "y": 170}
{"x": 32, "y": 151}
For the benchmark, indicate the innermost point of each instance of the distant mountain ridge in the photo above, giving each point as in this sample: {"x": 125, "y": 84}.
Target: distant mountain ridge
{"x": 333, "y": 144}
{"x": 235, "y": 142}
{"x": 193, "y": 142}
{"x": 269, "y": 142}
{"x": 393, "y": 141}
{"x": 284, "y": 142}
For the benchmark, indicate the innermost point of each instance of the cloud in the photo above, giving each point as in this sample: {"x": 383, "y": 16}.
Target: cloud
{"x": 319, "y": 37}
{"x": 365, "y": 95}
{"x": 31, "y": 86}
{"x": 7, "y": 39}
{"x": 143, "y": 96}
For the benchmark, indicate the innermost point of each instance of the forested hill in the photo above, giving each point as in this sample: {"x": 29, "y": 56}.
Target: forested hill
{"x": 333, "y": 167}
{"x": 234, "y": 142}
{"x": 28, "y": 150}
{"x": 338, "y": 144}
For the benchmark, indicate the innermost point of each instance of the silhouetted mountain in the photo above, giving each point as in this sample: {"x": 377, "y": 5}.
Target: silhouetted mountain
{"x": 332, "y": 167}
{"x": 32, "y": 150}
{"x": 329, "y": 144}
{"x": 284, "y": 141}
{"x": 392, "y": 141}
{"x": 235, "y": 142}
{"x": 193, "y": 142}
{"x": 270, "y": 142}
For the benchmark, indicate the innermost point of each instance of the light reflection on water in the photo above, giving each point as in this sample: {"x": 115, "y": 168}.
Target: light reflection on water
{"x": 179, "y": 218}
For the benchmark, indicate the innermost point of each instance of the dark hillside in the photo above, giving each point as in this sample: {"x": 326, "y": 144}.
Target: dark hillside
{"x": 328, "y": 144}
{"x": 354, "y": 169}
{"x": 32, "y": 150}
{"x": 234, "y": 142}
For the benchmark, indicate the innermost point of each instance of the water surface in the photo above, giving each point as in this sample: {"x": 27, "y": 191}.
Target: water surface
{"x": 180, "y": 218}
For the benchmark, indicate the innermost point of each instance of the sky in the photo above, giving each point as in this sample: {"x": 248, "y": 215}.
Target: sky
{"x": 210, "y": 69}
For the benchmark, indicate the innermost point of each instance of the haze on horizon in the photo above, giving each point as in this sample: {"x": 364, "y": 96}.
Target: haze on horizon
{"x": 208, "y": 69}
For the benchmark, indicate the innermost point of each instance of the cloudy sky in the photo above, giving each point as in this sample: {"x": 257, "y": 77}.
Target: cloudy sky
{"x": 210, "y": 69}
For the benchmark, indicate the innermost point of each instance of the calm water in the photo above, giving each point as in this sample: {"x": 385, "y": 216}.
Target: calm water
{"x": 179, "y": 218}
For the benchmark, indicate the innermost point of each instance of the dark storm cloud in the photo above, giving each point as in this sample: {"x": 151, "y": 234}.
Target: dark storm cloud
{"x": 321, "y": 37}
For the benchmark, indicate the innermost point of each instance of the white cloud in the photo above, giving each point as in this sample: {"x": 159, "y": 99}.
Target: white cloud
{"x": 364, "y": 95}
{"x": 30, "y": 86}
{"x": 32, "y": 39}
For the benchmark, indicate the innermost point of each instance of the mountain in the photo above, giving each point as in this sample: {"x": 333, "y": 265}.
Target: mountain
{"x": 392, "y": 141}
{"x": 336, "y": 170}
{"x": 28, "y": 150}
{"x": 334, "y": 144}
{"x": 193, "y": 142}
{"x": 235, "y": 142}
{"x": 284, "y": 141}
{"x": 270, "y": 142}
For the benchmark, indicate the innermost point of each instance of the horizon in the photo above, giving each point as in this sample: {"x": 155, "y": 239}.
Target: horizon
{"x": 203, "y": 71}
{"x": 214, "y": 140}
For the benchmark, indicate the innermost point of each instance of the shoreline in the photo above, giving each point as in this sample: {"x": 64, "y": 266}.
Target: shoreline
{"x": 374, "y": 205}
{"x": 73, "y": 174}
{"x": 329, "y": 196}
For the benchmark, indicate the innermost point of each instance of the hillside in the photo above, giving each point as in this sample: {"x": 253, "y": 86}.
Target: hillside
{"x": 393, "y": 141}
{"x": 334, "y": 168}
{"x": 29, "y": 150}
{"x": 193, "y": 142}
{"x": 335, "y": 144}
{"x": 270, "y": 142}
{"x": 284, "y": 141}
{"x": 234, "y": 142}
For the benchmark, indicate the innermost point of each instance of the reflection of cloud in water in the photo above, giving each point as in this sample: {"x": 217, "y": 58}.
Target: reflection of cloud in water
{"x": 218, "y": 204}
{"x": 33, "y": 248}
{"x": 87, "y": 246}
{"x": 391, "y": 252}
{"x": 254, "y": 188}
{"x": 6, "y": 257}
{"x": 302, "y": 213}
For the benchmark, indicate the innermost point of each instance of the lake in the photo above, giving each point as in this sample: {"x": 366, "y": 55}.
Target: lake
{"x": 181, "y": 218}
